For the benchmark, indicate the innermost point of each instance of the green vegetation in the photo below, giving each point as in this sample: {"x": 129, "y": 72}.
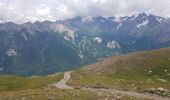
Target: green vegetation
{"x": 16, "y": 83}
{"x": 135, "y": 72}
{"x": 36, "y": 88}
{"x": 58, "y": 94}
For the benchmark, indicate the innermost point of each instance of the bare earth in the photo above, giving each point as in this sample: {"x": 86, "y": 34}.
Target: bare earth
{"x": 62, "y": 85}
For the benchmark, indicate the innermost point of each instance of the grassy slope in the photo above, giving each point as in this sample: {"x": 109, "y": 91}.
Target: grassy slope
{"x": 135, "y": 71}
{"x": 16, "y": 83}
{"x": 35, "y": 88}
{"x": 58, "y": 94}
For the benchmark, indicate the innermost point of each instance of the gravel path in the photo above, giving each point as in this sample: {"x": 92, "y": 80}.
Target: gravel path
{"x": 62, "y": 85}
{"x": 129, "y": 93}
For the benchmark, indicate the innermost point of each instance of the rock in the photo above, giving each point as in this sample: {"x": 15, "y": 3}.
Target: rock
{"x": 118, "y": 97}
{"x": 150, "y": 72}
{"x": 162, "y": 80}
{"x": 159, "y": 91}
{"x": 22, "y": 98}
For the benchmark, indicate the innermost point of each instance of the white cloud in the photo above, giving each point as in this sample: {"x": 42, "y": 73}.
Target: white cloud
{"x": 32, "y": 10}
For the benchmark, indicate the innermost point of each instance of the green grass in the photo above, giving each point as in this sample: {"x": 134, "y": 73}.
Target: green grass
{"x": 16, "y": 83}
{"x": 58, "y": 94}
{"x": 35, "y": 88}
{"x": 135, "y": 71}
{"x": 133, "y": 83}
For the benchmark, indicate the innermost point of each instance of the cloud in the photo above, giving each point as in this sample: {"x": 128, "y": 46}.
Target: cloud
{"x": 32, "y": 10}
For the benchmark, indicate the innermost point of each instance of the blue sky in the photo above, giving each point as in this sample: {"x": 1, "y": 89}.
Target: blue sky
{"x": 38, "y": 10}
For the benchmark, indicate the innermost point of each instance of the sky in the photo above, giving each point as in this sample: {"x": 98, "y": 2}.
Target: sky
{"x": 20, "y": 11}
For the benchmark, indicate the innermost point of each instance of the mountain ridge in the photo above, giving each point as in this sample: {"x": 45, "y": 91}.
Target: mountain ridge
{"x": 46, "y": 47}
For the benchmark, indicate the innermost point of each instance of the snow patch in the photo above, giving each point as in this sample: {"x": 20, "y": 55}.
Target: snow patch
{"x": 159, "y": 19}
{"x": 24, "y": 35}
{"x": 81, "y": 56}
{"x": 124, "y": 19}
{"x": 113, "y": 44}
{"x": 117, "y": 19}
{"x": 144, "y": 23}
{"x": 134, "y": 17}
{"x": 147, "y": 14}
{"x": 119, "y": 25}
{"x": 98, "y": 39}
{"x": 66, "y": 38}
{"x": 11, "y": 52}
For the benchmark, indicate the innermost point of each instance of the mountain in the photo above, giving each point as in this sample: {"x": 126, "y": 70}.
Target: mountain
{"x": 43, "y": 48}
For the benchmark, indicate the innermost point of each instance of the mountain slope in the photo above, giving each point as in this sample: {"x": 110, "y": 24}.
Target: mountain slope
{"x": 36, "y": 52}
{"x": 42, "y": 48}
{"x": 142, "y": 71}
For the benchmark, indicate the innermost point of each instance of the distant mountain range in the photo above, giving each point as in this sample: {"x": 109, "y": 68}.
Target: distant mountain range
{"x": 42, "y": 48}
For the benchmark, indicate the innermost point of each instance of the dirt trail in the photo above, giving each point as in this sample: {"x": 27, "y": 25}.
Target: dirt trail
{"x": 129, "y": 93}
{"x": 62, "y": 85}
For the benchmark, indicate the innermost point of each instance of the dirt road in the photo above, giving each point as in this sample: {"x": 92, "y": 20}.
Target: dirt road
{"x": 62, "y": 85}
